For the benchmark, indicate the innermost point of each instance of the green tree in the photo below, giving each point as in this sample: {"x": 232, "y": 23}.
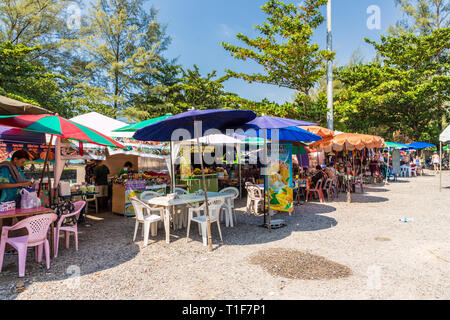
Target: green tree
{"x": 37, "y": 22}
{"x": 285, "y": 50}
{"x": 121, "y": 41}
{"x": 422, "y": 16}
{"x": 404, "y": 90}
{"x": 177, "y": 90}
{"x": 157, "y": 93}
{"x": 20, "y": 79}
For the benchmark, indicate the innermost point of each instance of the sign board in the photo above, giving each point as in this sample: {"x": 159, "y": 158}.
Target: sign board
{"x": 279, "y": 178}
{"x": 39, "y": 151}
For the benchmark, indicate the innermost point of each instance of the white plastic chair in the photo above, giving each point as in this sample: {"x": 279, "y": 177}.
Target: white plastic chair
{"x": 230, "y": 215}
{"x": 145, "y": 215}
{"x": 255, "y": 200}
{"x": 215, "y": 206}
{"x": 180, "y": 191}
{"x": 404, "y": 171}
{"x": 147, "y": 195}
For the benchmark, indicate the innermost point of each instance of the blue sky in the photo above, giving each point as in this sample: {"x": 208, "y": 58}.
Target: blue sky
{"x": 197, "y": 28}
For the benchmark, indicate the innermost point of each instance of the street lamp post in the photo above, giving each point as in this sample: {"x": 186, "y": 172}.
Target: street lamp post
{"x": 330, "y": 112}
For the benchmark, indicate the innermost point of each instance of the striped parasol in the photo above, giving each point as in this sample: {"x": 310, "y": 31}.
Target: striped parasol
{"x": 58, "y": 126}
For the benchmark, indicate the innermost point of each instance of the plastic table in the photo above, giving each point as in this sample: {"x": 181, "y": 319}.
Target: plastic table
{"x": 182, "y": 200}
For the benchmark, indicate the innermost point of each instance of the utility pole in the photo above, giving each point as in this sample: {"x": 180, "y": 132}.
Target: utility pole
{"x": 330, "y": 113}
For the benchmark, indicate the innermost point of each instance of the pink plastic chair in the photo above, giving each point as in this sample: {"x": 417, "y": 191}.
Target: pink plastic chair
{"x": 317, "y": 190}
{"x": 37, "y": 227}
{"x": 79, "y": 205}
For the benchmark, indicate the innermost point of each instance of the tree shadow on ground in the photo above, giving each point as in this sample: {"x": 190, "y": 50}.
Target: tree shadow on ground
{"x": 357, "y": 197}
{"x": 249, "y": 230}
{"x": 371, "y": 189}
{"x": 398, "y": 181}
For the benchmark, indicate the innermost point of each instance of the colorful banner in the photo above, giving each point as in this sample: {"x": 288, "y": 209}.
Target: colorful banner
{"x": 38, "y": 151}
{"x": 70, "y": 151}
{"x": 279, "y": 178}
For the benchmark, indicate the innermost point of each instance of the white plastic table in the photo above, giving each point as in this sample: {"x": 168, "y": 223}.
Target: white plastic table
{"x": 182, "y": 200}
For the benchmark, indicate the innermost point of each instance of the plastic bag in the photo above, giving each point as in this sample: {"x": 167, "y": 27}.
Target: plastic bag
{"x": 29, "y": 199}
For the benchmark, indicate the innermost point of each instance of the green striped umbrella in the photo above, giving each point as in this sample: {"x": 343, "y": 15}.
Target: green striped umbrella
{"x": 136, "y": 126}
{"x": 396, "y": 145}
{"x": 58, "y": 126}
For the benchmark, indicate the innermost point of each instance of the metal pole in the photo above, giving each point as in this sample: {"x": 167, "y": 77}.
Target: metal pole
{"x": 440, "y": 165}
{"x": 268, "y": 189}
{"x": 330, "y": 113}
{"x": 45, "y": 164}
{"x": 238, "y": 151}
{"x": 208, "y": 221}
{"x": 172, "y": 167}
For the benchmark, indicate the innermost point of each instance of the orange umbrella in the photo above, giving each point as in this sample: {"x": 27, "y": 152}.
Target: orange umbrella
{"x": 350, "y": 141}
{"x": 320, "y": 131}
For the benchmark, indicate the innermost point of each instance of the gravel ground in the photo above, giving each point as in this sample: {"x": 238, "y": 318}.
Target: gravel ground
{"x": 388, "y": 259}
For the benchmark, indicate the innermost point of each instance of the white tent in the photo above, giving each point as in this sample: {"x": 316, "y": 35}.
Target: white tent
{"x": 444, "y": 137}
{"x": 213, "y": 139}
{"x": 102, "y": 124}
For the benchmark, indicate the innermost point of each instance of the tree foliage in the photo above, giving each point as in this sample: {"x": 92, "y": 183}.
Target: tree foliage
{"x": 422, "y": 16}
{"x": 122, "y": 42}
{"x": 284, "y": 48}
{"x": 20, "y": 79}
{"x": 405, "y": 89}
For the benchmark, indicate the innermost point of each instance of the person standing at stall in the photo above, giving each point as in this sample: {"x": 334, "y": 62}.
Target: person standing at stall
{"x": 89, "y": 172}
{"x": 436, "y": 161}
{"x": 101, "y": 172}
{"x": 11, "y": 176}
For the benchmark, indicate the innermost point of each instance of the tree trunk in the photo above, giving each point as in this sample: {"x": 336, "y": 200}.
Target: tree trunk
{"x": 438, "y": 22}
{"x": 116, "y": 92}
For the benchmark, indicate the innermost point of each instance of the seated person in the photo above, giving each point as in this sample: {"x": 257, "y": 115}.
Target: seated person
{"x": 317, "y": 176}
{"x": 330, "y": 172}
{"x": 348, "y": 167}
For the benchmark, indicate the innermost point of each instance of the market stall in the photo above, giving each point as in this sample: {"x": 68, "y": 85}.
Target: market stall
{"x": 13, "y": 139}
{"x": 149, "y": 160}
{"x": 219, "y": 148}
{"x": 352, "y": 154}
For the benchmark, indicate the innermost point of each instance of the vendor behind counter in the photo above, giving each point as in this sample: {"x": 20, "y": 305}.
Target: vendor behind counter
{"x": 126, "y": 169}
{"x": 12, "y": 178}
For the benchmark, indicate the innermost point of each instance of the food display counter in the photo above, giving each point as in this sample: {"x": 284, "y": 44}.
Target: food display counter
{"x": 124, "y": 190}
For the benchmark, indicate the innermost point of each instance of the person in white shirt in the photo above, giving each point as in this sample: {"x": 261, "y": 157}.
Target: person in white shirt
{"x": 436, "y": 161}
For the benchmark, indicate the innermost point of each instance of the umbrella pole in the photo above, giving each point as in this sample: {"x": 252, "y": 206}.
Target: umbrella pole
{"x": 268, "y": 190}
{"x": 349, "y": 195}
{"x": 172, "y": 168}
{"x": 45, "y": 164}
{"x": 208, "y": 221}
{"x": 440, "y": 166}
{"x": 238, "y": 149}
{"x": 50, "y": 189}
